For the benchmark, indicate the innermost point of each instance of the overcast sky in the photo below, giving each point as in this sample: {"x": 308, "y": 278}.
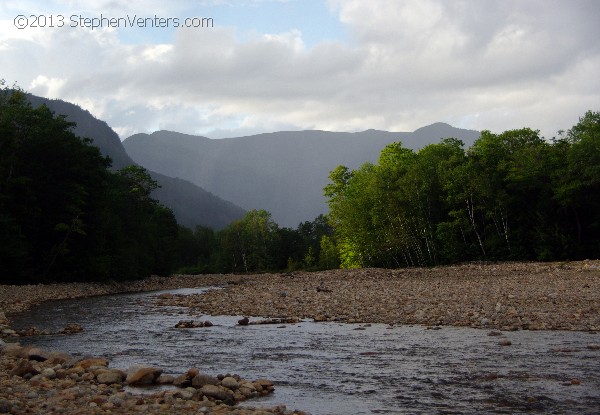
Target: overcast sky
{"x": 339, "y": 65}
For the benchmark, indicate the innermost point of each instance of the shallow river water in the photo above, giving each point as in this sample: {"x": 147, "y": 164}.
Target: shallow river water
{"x": 331, "y": 368}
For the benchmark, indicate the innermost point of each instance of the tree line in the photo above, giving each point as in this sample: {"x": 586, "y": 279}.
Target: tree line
{"x": 510, "y": 196}
{"x": 64, "y": 216}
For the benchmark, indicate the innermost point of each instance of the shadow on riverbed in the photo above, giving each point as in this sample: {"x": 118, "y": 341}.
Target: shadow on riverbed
{"x": 330, "y": 368}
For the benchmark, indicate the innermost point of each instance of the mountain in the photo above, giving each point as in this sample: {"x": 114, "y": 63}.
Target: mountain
{"x": 191, "y": 204}
{"x": 281, "y": 172}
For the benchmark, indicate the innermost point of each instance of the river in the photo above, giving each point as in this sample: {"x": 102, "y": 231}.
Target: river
{"x": 331, "y": 368}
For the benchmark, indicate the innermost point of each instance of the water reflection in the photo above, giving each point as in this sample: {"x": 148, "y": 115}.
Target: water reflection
{"x": 330, "y": 368}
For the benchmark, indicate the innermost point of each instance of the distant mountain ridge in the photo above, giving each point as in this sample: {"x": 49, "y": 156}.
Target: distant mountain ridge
{"x": 282, "y": 172}
{"x": 191, "y": 204}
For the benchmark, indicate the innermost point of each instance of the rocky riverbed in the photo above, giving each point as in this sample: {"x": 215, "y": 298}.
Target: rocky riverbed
{"x": 35, "y": 381}
{"x": 508, "y": 296}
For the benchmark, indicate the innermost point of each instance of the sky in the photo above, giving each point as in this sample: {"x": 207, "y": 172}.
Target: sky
{"x": 339, "y": 65}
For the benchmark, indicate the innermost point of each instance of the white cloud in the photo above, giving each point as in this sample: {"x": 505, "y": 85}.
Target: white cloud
{"x": 484, "y": 65}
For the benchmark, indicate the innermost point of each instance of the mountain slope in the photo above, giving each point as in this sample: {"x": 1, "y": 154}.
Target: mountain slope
{"x": 281, "y": 172}
{"x": 191, "y": 204}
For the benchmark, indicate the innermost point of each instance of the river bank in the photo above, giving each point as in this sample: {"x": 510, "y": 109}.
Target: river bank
{"x": 35, "y": 381}
{"x": 505, "y": 296}
{"x": 509, "y": 296}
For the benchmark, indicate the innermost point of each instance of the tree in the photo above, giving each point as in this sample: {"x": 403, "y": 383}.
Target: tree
{"x": 63, "y": 215}
{"x": 248, "y": 244}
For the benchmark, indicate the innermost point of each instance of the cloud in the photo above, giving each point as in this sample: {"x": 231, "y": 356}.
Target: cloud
{"x": 483, "y": 65}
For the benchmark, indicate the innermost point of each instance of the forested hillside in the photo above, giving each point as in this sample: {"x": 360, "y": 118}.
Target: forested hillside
{"x": 191, "y": 204}
{"x": 63, "y": 214}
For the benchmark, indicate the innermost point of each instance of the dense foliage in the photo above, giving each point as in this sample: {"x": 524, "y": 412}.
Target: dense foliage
{"x": 63, "y": 215}
{"x": 256, "y": 243}
{"x": 511, "y": 196}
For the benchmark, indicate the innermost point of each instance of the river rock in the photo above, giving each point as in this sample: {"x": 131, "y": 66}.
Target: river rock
{"x": 186, "y": 394}
{"x": 93, "y": 361}
{"x": 165, "y": 380}
{"x": 248, "y": 390}
{"x": 139, "y": 375}
{"x": 71, "y": 329}
{"x": 37, "y": 354}
{"x": 49, "y": 373}
{"x": 110, "y": 377}
{"x": 5, "y": 406}
{"x": 244, "y": 321}
{"x": 504, "y": 342}
{"x": 12, "y": 349}
{"x": 218, "y": 393}
{"x": 24, "y": 368}
{"x": 3, "y": 319}
{"x": 230, "y": 383}
{"x": 201, "y": 380}
{"x": 182, "y": 381}
{"x": 58, "y": 358}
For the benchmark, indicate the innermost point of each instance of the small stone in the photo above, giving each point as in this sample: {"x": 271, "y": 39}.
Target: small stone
{"x": 182, "y": 381}
{"x": 216, "y": 392}
{"x": 71, "y": 329}
{"x": 24, "y": 368}
{"x": 110, "y": 377}
{"x": 37, "y": 354}
{"x": 575, "y": 382}
{"x": 5, "y": 406}
{"x": 58, "y": 358}
{"x": 166, "y": 296}
{"x": 230, "y": 383}
{"x": 244, "y": 322}
{"x": 165, "y": 380}
{"x": 49, "y": 373}
{"x": 495, "y": 333}
{"x": 504, "y": 342}
{"x": 201, "y": 380}
{"x": 94, "y": 361}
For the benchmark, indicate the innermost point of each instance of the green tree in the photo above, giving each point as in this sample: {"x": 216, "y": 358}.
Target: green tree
{"x": 249, "y": 244}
